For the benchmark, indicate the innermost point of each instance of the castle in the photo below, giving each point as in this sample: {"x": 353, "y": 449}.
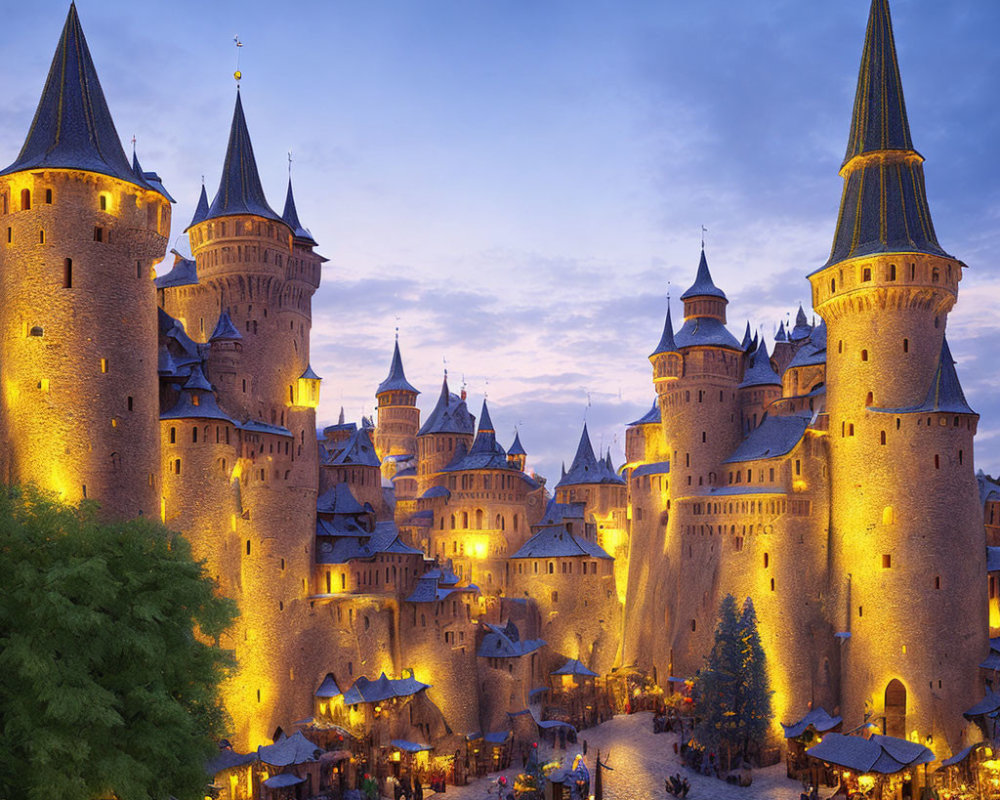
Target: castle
{"x": 411, "y": 580}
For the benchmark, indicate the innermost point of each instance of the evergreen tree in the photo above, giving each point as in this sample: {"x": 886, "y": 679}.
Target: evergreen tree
{"x": 109, "y": 656}
{"x": 733, "y": 700}
{"x": 756, "y": 713}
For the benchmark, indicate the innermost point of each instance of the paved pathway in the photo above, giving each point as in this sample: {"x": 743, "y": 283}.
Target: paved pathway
{"x": 641, "y": 760}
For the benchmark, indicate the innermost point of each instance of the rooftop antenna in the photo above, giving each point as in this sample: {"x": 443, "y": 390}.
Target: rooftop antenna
{"x": 237, "y": 75}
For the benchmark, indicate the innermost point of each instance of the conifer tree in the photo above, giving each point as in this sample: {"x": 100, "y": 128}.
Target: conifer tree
{"x": 755, "y": 714}
{"x": 109, "y": 657}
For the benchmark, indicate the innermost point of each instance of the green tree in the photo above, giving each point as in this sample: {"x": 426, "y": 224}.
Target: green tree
{"x": 733, "y": 698}
{"x": 109, "y": 656}
{"x": 755, "y": 712}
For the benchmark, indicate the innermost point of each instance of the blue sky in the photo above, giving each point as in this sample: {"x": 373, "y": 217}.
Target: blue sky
{"x": 517, "y": 182}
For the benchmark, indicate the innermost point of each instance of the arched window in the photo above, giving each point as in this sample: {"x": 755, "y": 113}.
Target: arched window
{"x": 479, "y": 519}
{"x": 870, "y": 400}
{"x": 895, "y": 709}
{"x": 882, "y": 437}
{"x": 25, "y": 199}
{"x": 864, "y": 355}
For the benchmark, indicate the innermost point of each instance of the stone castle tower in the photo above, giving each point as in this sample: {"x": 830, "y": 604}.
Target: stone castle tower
{"x": 83, "y": 231}
{"x": 398, "y": 417}
{"x": 906, "y": 531}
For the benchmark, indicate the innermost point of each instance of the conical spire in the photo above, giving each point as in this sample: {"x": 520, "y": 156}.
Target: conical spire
{"x": 800, "y": 317}
{"x": 291, "y": 217}
{"x": 703, "y": 285}
{"x": 781, "y": 336}
{"x": 516, "y": 449}
{"x": 225, "y": 329}
{"x": 340, "y": 421}
{"x": 945, "y": 393}
{"x": 884, "y": 205}
{"x": 202, "y": 210}
{"x": 760, "y": 372}
{"x": 879, "y": 121}
{"x": 667, "y": 343}
{"x": 396, "y": 382}
{"x": 747, "y": 337}
{"x": 73, "y": 128}
{"x": 449, "y": 415}
{"x": 801, "y": 329}
{"x": 240, "y": 191}
{"x": 485, "y": 423}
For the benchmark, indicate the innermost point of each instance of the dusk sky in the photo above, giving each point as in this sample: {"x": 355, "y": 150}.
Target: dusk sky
{"x": 514, "y": 184}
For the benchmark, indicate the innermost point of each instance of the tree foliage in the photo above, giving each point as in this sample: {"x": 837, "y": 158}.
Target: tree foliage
{"x": 732, "y": 692}
{"x": 109, "y": 656}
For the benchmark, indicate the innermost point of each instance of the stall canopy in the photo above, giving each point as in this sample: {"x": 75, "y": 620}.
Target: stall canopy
{"x": 885, "y": 755}
{"x": 574, "y": 667}
{"x": 294, "y": 749}
{"x": 285, "y": 779}
{"x": 817, "y": 719}
{"x": 989, "y": 704}
{"x": 959, "y": 757}
{"x": 497, "y": 737}
{"x": 410, "y": 747}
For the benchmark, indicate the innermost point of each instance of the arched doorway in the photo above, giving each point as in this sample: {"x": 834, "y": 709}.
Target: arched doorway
{"x": 895, "y": 709}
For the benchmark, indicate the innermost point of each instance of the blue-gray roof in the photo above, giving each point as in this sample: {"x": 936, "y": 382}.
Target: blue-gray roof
{"x": 291, "y": 218}
{"x": 357, "y": 450}
{"x": 651, "y": 417}
{"x": 328, "y": 688}
{"x": 396, "y": 381}
{"x": 207, "y": 407}
{"x": 884, "y": 206}
{"x": 813, "y": 352}
{"x": 703, "y": 285}
{"x": 225, "y": 329}
{"x": 240, "y": 191}
{"x": 227, "y": 759}
{"x": 554, "y": 541}
{"x": 992, "y": 559}
{"x": 294, "y": 749}
{"x": 450, "y": 415}
{"x": 945, "y": 394}
{"x": 256, "y": 426}
{"x": 201, "y": 210}
{"x": 886, "y": 755}
{"x": 72, "y": 127}
{"x": 705, "y": 331}
{"x": 760, "y": 372}
{"x": 431, "y": 589}
{"x": 338, "y": 500}
{"x": 435, "y": 491}
{"x": 504, "y": 641}
{"x": 781, "y": 336}
{"x": 657, "y": 468}
{"x": 988, "y": 488}
{"x": 586, "y": 467}
{"x": 774, "y": 437}
{"x": 667, "y": 343}
{"x": 485, "y": 453}
{"x": 381, "y": 689}
{"x": 575, "y": 667}
{"x": 184, "y": 272}
{"x": 309, "y": 374}
{"x": 747, "y": 337}
{"x": 559, "y": 512}
{"x": 817, "y": 719}
{"x": 517, "y": 449}
{"x": 989, "y": 704}
{"x": 197, "y": 380}
{"x": 150, "y": 178}
{"x": 802, "y": 327}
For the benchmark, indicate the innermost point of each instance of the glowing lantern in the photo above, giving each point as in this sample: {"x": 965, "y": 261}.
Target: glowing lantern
{"x": 307, "y": 390}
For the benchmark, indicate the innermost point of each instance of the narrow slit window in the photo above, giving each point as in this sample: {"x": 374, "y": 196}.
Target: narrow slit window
{"x": 68, "y": 273}
{"x": 104, "y": 365}
{"x": 48, "y": 197}
{"x": 98, "y": 233}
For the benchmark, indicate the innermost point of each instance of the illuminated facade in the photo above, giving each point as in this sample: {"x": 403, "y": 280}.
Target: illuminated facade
{"x": 832, "y": 483}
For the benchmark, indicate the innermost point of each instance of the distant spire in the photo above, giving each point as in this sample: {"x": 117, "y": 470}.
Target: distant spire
{"x": 800, "y": 317}
{"x": 225, "y": 329}
{"x": 747, "y": 337}
{"x": 485, "y": 423}
{"x": 202, "y": 210}
{"x": 667, "y": 343}
{"x": 291, "y": 217}
{"x": 760, "y": 372}
{"x": 240, "y": 190}
{"x": 73, "y": 128}
{"x": 781, "y": 336}
{"x": 517, "y": 449}
{"x": 396, "y": 381}
{"x": 945, "y": 393}
{"x": 884, "y": 205}
{"x": 341, "y": 420}
{"x": 703, "y": 285}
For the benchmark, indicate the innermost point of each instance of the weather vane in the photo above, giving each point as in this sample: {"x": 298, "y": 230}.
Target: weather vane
{"x": 444, "y": 360}
{"x": 290, "y": 172}
{"x": 704, "y": 230}
{"x": 237, "y": 74}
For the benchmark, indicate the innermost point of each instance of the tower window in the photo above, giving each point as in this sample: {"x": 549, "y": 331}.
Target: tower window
{"x": 960, "y": 456}
{"x": 861, "y": 611}
{"x": 173, "y": 436}
{"x": 892, "y": 272}
{"x": 840, "y": 346}
{"x": 104, "y": 204}
{"x": 906, "y": 345}
{"x": 694, "y": 624}
{"x": 864, "y": 355}
{"x": 25, "y": 199}
{"x": 937, "y": 461}
{"x": 886, "y": 561}
{"x": 41, "y": 237}
{"x": 935, "y": 275}
{"x": 138, "y": 269}
{"x": 177, "y": 466}
{"x": 129, "y": 402}
{"x": 866, "y": 274}
{"x": 882, "y": 437}
{"x": 194, "y": 434}
{"x": 98, "y": 233}
{"x": 772, "y": 584}
{"x": 870, "y": 399}
{"x": 248, "y": 547}
{"x": 833, "y": 285}
{"x": 37, "y": 330}
{"x": 104, "y": 365}
{"x": 937, "y": 581}
{"x": 767, "y": 560}
{"x": 10, "y": 235}
{"x": 68, "y": 273}
{"x": 48, "y": 197}
{"x": 850, "y": 429}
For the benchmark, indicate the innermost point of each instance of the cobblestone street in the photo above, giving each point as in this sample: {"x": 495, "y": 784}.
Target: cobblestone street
{"x": 640, "y": 760}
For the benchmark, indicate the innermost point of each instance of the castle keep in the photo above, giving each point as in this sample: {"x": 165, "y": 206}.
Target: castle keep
{"x": 406, "y": 578}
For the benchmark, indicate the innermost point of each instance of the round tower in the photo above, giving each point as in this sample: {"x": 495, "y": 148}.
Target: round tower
{"x": 907, "y": 535}
{"x": 398, "y": 416}
{"x": 760, "y": 387}
{"x": 82, "y": 231}
{"x": 446, "y": 435}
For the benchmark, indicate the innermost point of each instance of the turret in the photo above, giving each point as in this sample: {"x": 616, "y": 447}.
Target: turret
{"x": 398, "y": 417}
{"x": 760, "y": 387}
{"x": 695, "y": 373}
{"x": 448, "y": 427}
{"x": 517, "y": 456}
{"x": 906, "y": 530}
{"x": 83, "y": 231}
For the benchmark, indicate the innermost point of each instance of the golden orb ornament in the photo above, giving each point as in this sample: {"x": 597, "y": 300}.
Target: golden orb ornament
{"x": 237, "y": 74}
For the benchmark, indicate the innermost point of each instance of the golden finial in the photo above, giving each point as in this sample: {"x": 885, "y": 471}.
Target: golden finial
{"x": 237, "y": 74}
